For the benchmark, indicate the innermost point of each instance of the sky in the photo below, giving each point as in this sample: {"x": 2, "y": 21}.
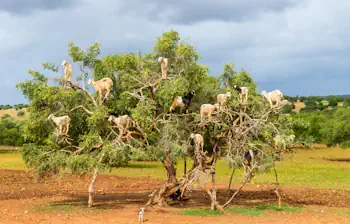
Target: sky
{"x": 298, "y": 46}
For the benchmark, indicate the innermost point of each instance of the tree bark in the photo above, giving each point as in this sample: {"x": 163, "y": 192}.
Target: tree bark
{"x": 213, "y": 202}
{"x": 231, "y": 178}
{"x": 91, "y": 187}
{"x": 171, "y": 170}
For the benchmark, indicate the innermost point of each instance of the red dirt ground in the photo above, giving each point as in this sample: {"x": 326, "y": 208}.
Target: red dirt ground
{"x": 119, "y": 199}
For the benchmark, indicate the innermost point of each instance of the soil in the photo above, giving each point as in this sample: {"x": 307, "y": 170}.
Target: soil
{"x": 24, "y": 199}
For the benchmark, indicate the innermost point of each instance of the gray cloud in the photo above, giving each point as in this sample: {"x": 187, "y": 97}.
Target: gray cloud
{"x": 300, "y": 47}
{"x": 194, "y": 11}
{"x": 25, "y": 7}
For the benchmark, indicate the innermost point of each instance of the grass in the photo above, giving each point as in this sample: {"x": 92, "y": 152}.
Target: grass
{"x": 199, "y": 212}
{"x": 345, "y": 211}
{"x": 247, "y": 211}
{"x": 66, "y": 208}
{"x": 10, "y": 159}
{"x": 254, "y": 211}
{"x": 13, "y": 113}
{"x": 306, "y": 168}
{"x": 283, "y": 208}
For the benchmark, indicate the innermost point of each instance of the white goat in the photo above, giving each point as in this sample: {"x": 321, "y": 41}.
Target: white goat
{"x": 62, "y": 123}
{"x": 207, "y": 109}
{"x": 141, "y": 215}
{"x": 273, "y": 97}
{"x": 222, "y": 99}
{"x": 243, "y": 91}
{"x": 101, "y": 85}
{"x": 67, "y": 70}
{"x": 164, "y": 66}
{"x": 198, "y": 141}
{"x": 123, "y": 123}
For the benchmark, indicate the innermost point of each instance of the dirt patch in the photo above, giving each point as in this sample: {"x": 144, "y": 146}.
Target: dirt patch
{"x": 118, "y": 200}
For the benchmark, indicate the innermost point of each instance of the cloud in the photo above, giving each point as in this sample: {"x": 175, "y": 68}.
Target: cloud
{"x": 194, "y": 11}
{"x": 25, "y": 7}
{"x": 298, "y": 46}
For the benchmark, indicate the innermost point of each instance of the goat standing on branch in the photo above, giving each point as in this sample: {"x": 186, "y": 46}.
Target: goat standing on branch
{"x": 67, "y": 70}
{"x": 182, "y": 102}
{"x": 273, "y": 97}
{"x": 123, "y": 123}
{"x": 199, "y": 156}
{"x": 207, "y": 109}
{"x": 164, "y": 66}
{"x": 222, "y": 100}
{"x": 62, "y": 124}
{"x": 243, "y": 91}
{"x": 101, "y": 85}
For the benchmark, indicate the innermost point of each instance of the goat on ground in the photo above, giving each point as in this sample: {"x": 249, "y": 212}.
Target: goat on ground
{"x": 141, "y": 215}
{"x": 182, "y": 102}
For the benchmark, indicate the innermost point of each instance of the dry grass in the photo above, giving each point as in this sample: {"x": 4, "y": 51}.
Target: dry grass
{"x": 13, "y": 113}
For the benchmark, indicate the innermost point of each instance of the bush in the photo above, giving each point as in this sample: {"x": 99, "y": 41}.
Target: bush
{"x": 11, "y": 131}
{"x": 5, "y": 116}
{"x": 20, "y": 113}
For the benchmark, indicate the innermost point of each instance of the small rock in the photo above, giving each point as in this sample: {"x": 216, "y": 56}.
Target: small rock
{"x": 25, "y": 212}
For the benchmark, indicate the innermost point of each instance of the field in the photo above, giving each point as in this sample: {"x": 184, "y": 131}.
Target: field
{"x": 13, "y": 113}
{"x": 315, "y": 188}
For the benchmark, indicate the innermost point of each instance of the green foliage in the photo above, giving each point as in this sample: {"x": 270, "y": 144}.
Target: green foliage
{"x": 5, "y": 107}
{"x": 199, "y": 212}
{"x": 283, "y": 208}
{"x": 11, "y": 131}
{"x": 246, "y": 211}
{"x": 287, "y": 109}
{"x": 20, "y": 113}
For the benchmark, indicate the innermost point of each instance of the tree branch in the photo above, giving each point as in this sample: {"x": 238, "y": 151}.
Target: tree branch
{"x": 84, "y": 108}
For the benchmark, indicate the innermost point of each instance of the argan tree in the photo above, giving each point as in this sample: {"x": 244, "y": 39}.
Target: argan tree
{"x": 95, "y": 144}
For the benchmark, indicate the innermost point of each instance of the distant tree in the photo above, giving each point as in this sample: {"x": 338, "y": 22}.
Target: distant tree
{"x": 332, "y": 100}
{"x": 20, "y": 113}
{"x": 11, "y": 131}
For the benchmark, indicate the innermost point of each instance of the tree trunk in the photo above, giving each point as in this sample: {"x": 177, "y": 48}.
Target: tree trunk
{"x": 231, "y": 178}
{"x": 91, "y": 187}
{"x": 213, "y": 202}
{"x": 171, "y": 170}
